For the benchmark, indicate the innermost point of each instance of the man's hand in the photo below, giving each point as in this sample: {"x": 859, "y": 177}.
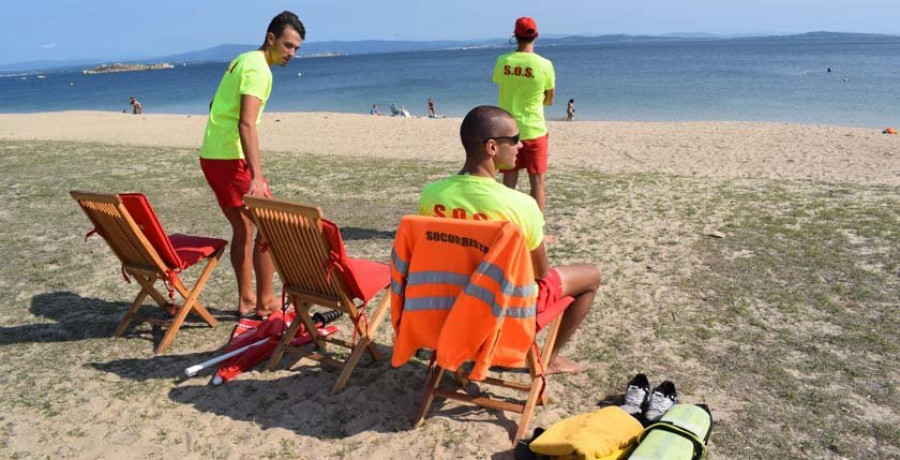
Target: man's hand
{"x": 259, "y": 187}
{"x": 549, "y": 96}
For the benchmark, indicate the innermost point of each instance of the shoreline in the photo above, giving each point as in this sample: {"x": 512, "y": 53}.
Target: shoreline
{"x": 558, "y": 118}
{"x": 701, "y": 149}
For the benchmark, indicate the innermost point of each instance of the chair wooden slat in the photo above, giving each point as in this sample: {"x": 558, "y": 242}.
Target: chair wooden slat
{"x": 534, "y": 387}
{"x": 141, "y": 260}
{"x": 301, "y": 254}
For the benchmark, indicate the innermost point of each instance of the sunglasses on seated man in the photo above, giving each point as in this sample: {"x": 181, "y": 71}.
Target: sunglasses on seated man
{"x": 514, "y": 139}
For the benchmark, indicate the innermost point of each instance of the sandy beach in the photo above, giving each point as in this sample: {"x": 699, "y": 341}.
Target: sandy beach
{"x": 752, "y": 263}
{"x": 702, "y": 149}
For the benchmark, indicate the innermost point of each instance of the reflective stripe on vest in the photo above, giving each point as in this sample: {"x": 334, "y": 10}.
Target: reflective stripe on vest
{"x": 467, "y": 301}
{"x": 443, "y": 277}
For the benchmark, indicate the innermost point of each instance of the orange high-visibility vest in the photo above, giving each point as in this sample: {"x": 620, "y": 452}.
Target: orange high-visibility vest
{"x": 465, "y": 289}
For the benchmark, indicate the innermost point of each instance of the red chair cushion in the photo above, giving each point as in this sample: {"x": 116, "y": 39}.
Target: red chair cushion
{"x": 370, "y": 277}
{"x": 142, "y": 213}
{"x": 363, "y": 278}
{"x": 192, "y": 249}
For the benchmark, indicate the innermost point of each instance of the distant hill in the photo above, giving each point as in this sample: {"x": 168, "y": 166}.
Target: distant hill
{"x": 229, "y": 51}
{"x": 34, "y": 66}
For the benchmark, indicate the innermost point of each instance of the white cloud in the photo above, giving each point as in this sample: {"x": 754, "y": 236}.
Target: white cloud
{"x": 48, "y": 46}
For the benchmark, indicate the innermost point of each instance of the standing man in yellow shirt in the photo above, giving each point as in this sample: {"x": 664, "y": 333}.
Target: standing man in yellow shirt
{"x": 527, "y": 82}
{"x": 230, "y": 156}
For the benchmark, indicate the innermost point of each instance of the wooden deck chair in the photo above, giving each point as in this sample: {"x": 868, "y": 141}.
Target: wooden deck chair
{"x": 309, "y": 255}
{"x": 129, "y": 225}
{"x": 436, "y": 262}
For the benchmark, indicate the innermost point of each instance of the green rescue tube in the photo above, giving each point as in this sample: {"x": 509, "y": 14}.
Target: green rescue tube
{"x": 681, "y": 434}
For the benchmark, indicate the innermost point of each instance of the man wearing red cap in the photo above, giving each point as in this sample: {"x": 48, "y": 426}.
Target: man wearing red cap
{"x": 527, "y": 83}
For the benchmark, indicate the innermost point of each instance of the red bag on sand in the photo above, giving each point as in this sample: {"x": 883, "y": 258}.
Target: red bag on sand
{"x": 249, "y": 331}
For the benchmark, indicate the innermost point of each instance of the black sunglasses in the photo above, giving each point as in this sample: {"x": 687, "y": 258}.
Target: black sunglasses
{"x": 514, "y": 139}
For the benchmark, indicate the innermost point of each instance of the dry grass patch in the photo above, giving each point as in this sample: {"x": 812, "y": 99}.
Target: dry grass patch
{"x": 774, "y": 302}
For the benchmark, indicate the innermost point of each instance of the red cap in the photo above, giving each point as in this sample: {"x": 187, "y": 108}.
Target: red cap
{"x": 526, "y": 27}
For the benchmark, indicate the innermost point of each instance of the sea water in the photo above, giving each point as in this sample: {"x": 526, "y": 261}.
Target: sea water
{"x": 782, "y": 80}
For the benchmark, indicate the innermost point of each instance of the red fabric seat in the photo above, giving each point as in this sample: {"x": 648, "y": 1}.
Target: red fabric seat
{"x": 369, "y": 277}
{"x": 177, "y": 251}
{"x": 192, "y": 249}
{"x": 364, "y": 278}
{"x": 144, "y": 216}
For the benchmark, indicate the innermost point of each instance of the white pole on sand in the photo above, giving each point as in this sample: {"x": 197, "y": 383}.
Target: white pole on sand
{"x": 193, "y": 370}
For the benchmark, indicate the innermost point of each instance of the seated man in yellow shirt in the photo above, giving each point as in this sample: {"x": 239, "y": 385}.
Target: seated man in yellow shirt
{"x": 491, "y": 140}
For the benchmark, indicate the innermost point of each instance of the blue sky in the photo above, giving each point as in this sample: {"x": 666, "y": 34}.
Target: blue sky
{"x": 107, "y": 29}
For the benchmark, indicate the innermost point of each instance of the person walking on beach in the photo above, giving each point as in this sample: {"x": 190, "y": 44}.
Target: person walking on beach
{"x": 431, "y": 113}
{"x": 491, "y": 140}
{"x": 570, "y": 110}
{"x": 136, "y": 107}
{"x": 527, "y": 83}
{"x": 230, "y": 156}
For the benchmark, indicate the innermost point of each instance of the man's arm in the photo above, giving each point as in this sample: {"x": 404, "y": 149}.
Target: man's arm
{"x": 540, "y": 262}
{"x": 549, "y": 95}
{"x": 250, "y": 142}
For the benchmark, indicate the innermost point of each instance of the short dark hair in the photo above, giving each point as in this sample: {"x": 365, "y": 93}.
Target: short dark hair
{"x": 286, "y": 19}
{"x": 481, "y": 123}
{"x": 526, "y": 39}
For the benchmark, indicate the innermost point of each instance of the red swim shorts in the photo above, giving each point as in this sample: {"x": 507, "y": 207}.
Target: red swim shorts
{"x": 532, "y": 156}
{"x": 229, "y": 180}
{"x": 550, "y": 302}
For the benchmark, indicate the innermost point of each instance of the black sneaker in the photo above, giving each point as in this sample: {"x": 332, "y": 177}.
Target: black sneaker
{"x": 522, "y": 451}
{"x": 661, "y": 400}
{"x": 636, "y": 395}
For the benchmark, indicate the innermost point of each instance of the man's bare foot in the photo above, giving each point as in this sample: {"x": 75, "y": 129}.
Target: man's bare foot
{"x": 246, "y": 306}
{"x": 268, "y": 306}
{"x": 562, "y": 365}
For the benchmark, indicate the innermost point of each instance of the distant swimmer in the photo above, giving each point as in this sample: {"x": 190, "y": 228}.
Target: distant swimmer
{"x": 829, "y": 70}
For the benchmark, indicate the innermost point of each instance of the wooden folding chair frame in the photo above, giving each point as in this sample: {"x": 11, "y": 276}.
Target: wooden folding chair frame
{"x": 140, "y": 260}
{"x": 536, "y": 389}
{"x": 300, "y": 251}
